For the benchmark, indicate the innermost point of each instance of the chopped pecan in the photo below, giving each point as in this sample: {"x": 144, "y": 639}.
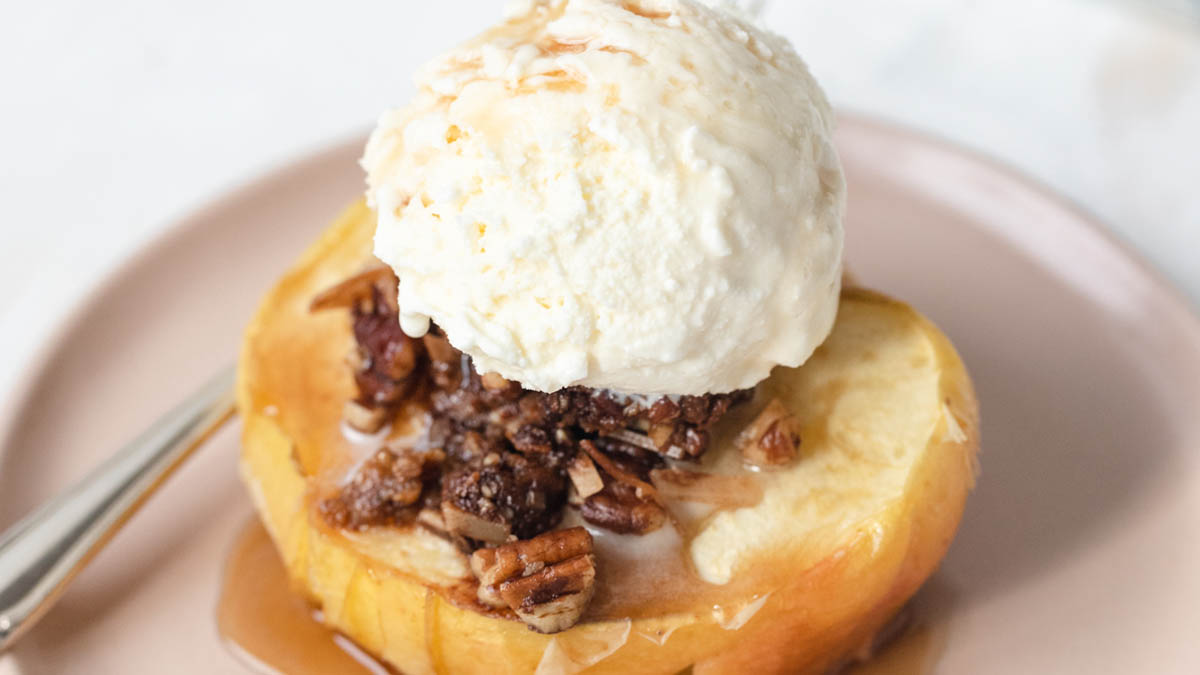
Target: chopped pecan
{"x": 704, "y": 411}
{"x": 506, "y": 493}
{"x": 384, "y": 490}
{"x": 387, "y": 351}
{"x": 773, "y": 438}
{"x": 548, "y": 580}
{"x": 512, "y": 457}
{"x": 384, "y": 357}
{"x": 592, "y": 411}
{"x": 471, "y": 446}
{"x": 663, "y": 411}
{"x": 530, "y": 439}
{"x": 679, "y": 441}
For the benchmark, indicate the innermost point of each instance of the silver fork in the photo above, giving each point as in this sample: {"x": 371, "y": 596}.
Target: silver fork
{"x": 41, "y": 554}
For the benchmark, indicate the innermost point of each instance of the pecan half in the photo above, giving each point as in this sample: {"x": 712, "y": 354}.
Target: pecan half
{"x": 628, "y": 503}
{"x": 552, "y": 600}
{"x": 522, "y": 558}
{"x": 548, "y": 580}
{"x": 773, "y": 438}
{"x": 620, "y": 509}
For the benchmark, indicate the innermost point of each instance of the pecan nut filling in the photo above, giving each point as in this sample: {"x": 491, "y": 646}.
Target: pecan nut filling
{"x": 499, "y": 463}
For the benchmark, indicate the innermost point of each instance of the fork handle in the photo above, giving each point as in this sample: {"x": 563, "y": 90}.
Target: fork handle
{"x": 41, "y": 554}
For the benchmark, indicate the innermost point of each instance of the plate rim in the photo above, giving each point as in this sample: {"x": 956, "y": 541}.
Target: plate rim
{"x": 13, "y": 401}
{"x": 1080, "y": 222}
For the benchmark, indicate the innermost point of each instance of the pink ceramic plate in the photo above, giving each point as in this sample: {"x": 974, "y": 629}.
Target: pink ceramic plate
{"x": 1079, "y": 551}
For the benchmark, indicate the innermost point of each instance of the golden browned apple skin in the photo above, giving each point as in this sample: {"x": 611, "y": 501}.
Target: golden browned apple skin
{"x": 291, "y": 387}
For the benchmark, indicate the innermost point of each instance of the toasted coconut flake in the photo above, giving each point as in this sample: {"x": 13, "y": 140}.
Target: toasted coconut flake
{"x": 660, "y": 436}
{"x": 584, "y": 476}
{"x": 471, "y": 526}
{"x": 433, "y": 520}
{"x": 645, "y": 489}
{"x": 635, "y": 439}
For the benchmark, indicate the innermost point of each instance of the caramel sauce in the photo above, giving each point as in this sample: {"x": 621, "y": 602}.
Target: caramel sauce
{"x": 269, "y": 626}
{"x": 638, "y": 575}
{"x": 272, "y": 629}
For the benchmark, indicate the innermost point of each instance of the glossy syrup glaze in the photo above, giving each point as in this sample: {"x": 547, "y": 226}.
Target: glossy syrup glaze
{"x": 272, "y": 629}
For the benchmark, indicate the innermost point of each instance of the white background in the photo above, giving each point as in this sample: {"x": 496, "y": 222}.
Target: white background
{"x": 118, "y": 117}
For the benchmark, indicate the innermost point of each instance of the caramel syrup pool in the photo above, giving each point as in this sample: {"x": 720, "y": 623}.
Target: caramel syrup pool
{"x": 272, "y": 629}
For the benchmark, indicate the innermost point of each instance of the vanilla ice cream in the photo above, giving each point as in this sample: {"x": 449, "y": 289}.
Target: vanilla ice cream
{"x": 638, "y": 196}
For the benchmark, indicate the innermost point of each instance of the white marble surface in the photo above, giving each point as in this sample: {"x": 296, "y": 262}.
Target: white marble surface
{"x": 118, "y": 117}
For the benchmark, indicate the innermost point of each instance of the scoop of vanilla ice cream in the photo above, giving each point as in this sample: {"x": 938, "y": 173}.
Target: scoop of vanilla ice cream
{"x": 634, "y": 196}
